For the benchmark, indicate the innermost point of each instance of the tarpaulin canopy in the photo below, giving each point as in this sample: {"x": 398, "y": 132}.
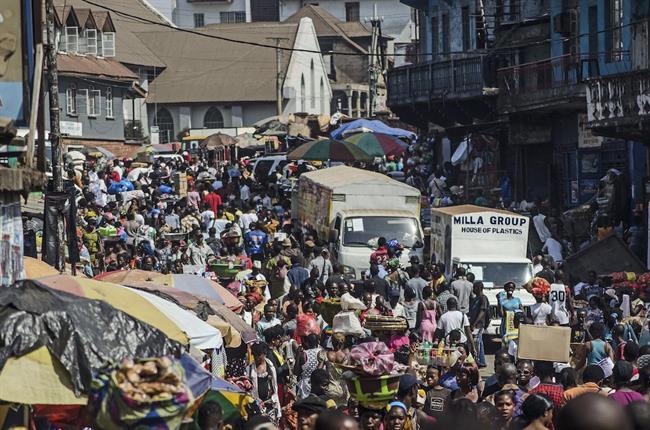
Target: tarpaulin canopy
{"x": 201, "y": 334}
{"x": 375, "y": 125}
{"x": 120, "y": 298}
{"x": 83, "y": 335}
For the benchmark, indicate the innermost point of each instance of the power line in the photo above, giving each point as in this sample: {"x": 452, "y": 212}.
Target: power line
{"x": 310, "y": 51}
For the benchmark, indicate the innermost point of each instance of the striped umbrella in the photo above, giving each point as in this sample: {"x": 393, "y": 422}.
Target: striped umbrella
{"x": 378, "y": 144}
{"x": 328, "y": 149}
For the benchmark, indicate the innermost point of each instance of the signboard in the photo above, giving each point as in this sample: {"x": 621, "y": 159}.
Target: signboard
{"x": 71, "y": 128}
{"x": 586, "y": 139}
{"x": 12, "y": 91}
{"x": 544, "y": 343}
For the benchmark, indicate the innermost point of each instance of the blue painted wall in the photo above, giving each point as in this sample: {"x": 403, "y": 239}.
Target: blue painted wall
{"x": 100, "y": 127}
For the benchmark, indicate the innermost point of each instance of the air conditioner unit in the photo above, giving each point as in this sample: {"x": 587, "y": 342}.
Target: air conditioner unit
{"x": 566, "y": 23}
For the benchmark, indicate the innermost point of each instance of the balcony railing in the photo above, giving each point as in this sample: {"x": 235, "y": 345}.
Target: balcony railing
{"x": 543, "y": 75}
{"x": 617, "y": 99}
{"x": 423, "y": 82}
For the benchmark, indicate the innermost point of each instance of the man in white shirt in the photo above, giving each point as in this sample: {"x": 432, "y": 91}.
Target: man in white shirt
{"x": 539, "y": 220}
{"x": 553, "y": 248}
{"x": 245, "y": 192}
{"x": 454, "y": 319}
{"x": 246, "y": 219}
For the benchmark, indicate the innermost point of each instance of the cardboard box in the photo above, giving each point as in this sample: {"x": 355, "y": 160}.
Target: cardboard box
{"x": 544, "y": 343}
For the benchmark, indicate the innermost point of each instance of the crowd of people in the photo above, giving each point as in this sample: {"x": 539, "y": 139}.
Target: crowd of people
{"x": 142, "y": 217}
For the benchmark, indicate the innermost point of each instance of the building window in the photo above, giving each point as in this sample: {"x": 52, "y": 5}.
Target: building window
{"x": 165, "y": 124}
{"x": 71, "y": 39}
{"x": 232, "y": 17}
{"x": 199, "y": 20}
{"x": 109, "y": 103}
{"x": 322, "y": 96}
{"x": 614, "y": 33}
{"x": 445, "y": 34}
{"x": 94, "y": 102}
{"x": 303, "y": 98}
{"x": 213, "y": 118}
{"x": 435, "y": 34}
{"x": 352, "y": 11}
{"x": 265, "y": 10}
{"x": 312, "y": 84}
{"x": 465, "y": 28}
{"x": 108, "y": 44}
{"x": 91, "y": 41}
{"x": 82, "y": 101}
{"x": 71, "y": 100}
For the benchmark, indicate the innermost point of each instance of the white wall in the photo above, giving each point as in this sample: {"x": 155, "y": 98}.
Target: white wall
{"x": 299, "y": 68}
{"x": 184, "y": 11}
{"x": 396, "y": 16}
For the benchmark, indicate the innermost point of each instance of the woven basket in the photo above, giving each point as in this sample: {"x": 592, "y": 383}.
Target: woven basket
{"x": 372, "y": 392}
{"x": 377, "y": 323}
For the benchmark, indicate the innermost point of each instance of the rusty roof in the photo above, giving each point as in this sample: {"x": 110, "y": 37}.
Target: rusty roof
{"x": 129, "y": 48}
{"x": 103, "y": 68}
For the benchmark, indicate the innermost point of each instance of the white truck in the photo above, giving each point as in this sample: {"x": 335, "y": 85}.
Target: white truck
{"x": 490, "y": 243}
{"x": 351, "y": 208}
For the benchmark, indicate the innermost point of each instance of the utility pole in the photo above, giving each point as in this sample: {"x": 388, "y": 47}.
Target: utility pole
{"x": 55, "y": 131}
{"x": 278, "y": 73}
{"x": 375, "y": 22}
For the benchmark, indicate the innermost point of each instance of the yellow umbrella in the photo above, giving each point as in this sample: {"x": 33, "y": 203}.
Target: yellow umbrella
{"x": 35, "y": 268}
{"x": 37, "y": 378}
{"x": 120, "y": 298}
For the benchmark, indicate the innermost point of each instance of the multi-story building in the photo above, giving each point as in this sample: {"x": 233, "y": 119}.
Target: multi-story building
{"x": 93, "y": 85}
{"x": 398, "y": 20}
{"x": 199, "y": 13}
{"x": 546, "y": 86}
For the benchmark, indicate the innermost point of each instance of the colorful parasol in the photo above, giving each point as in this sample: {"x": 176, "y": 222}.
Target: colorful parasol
{"x": 378, "y": 144}
{"x": 233, "y": 329}
{"x": 120, "y": 298}
{"x": 201, "y": 334}
{"x": 193, "y": 284}
{"x": 328, "y": 149}
{"x": 232, "y": 399}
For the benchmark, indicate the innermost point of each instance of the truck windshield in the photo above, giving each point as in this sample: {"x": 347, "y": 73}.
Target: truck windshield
{"x": 500, "y": 273}
{"x": 359, "y": 230}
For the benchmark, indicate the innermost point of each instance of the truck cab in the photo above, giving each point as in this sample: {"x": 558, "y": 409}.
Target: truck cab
{"x": 352, "y": 233}
{"x": 494, "y": 274}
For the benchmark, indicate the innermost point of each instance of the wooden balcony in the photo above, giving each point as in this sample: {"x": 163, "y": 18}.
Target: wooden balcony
{"x": 547, "y": 84}
{"x": 427, "y": 82}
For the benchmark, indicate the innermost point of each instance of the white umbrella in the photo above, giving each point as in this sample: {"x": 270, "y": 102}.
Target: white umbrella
{"x": 201, "y": 334}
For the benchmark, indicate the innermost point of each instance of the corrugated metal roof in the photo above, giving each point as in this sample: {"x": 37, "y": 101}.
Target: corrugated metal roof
{"x": 338, "y": 176}
{"x": 129, "y": 48}
{"x": 70, "y": 64}
{"x": 202, "y": 69}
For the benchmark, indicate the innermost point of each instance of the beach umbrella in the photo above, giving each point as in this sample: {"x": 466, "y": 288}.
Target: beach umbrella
{"x": 201, "y": 334}
{"x": 218, "y": 139}
{"x": 378, "y": 144}
{"x": 189, "y": 283}
{"x": 35, "y": 268}
{"x": 328, "y": 149}
{"x": 232, "y": 327}
{"x": 120, "y": 298}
